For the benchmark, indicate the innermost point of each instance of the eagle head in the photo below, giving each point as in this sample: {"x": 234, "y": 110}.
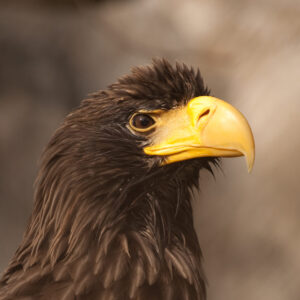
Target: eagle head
{"x": 157, "y": 120}
{"x": 112, "y": 217}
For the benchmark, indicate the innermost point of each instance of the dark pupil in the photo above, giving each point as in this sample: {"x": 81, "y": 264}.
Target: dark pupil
{"x": 142, "y": 121}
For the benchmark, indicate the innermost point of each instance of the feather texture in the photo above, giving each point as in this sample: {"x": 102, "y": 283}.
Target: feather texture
{"x": 108, "y": 222}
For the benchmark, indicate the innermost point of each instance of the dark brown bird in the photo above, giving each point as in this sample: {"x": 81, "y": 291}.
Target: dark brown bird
{"x": 112, "y": 215}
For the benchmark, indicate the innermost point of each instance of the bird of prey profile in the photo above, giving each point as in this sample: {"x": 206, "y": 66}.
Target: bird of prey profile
{"x": 112, "y": 217}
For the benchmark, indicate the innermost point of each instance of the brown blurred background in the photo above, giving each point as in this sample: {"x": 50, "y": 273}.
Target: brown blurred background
{"x": 53, "y": 53}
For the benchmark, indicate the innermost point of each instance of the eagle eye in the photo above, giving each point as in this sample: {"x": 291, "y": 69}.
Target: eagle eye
{"x": 141, "y": 122}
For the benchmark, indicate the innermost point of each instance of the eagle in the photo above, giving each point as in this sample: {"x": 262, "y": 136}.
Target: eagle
{"x": 112, "y": 216}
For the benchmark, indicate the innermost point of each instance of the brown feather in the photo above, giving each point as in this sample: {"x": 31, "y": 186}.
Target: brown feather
{"x": 108, "y": 222}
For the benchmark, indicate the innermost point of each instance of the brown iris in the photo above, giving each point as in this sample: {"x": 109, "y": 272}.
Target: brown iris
{"x": 141, "y": 122}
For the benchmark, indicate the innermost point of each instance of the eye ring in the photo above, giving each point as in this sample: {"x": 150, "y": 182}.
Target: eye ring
{"x": 142, "y": 122}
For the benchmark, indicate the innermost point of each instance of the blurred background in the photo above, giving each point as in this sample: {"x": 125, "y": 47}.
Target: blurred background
{"x": 53, "y": 53}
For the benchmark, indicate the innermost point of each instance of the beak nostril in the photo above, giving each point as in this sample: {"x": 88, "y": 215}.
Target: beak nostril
{"x": 205, "y": 113}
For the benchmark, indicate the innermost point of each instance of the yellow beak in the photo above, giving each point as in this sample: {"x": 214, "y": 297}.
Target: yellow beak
{"x": 206, "y": 126}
